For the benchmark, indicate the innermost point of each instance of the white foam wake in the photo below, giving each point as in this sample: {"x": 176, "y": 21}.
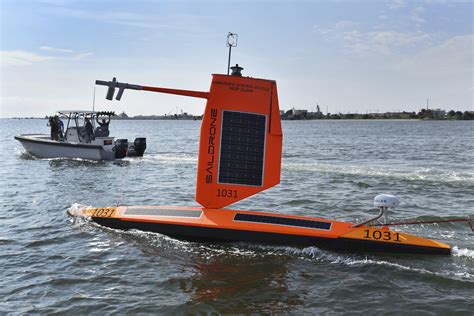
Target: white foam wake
{"x": 77, "y": 209}
{"x": 463, "y": 252}
{"x": 172, "y": 159}
{"x": 423, "y": 174}
{"x": 314, "y": 253}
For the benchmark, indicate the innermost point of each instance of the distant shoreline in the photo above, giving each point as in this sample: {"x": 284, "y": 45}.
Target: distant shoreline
{"x": 283, "y": 119}
{"x": 305, "y": 115}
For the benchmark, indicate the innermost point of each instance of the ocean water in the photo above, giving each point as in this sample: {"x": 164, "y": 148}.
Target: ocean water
{"x": 52, "y": 263}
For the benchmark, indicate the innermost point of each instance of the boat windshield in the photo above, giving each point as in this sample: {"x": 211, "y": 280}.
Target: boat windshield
{"x": 80, "y": 120}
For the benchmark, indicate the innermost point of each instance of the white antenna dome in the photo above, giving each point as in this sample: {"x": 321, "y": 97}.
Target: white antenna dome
{"x": 386, "y": 200}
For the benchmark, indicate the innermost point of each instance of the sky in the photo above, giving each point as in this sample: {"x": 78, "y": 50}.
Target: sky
{"x": 345, "y": 56}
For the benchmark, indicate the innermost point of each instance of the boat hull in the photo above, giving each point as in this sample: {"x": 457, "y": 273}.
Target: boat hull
{"x": 222, "y": 225}
{"x": 42, "y": 147}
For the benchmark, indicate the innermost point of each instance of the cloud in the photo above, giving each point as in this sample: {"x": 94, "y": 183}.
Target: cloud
{"x": 35, "y": 105}
{"x": 54, "y": 49}
{"x": 416, "y": 15}
{"x": 451, "y": 58}
{"x": 21, "y": 58}
{"x": 322, "y": 30}
{"x": 384, "y": 42}
{"x": 396, "y": 4}
{"x": 345, "y": 24}
{"x": 82, "y": 56}
{"x": 126, "y": 18}
{"x": 364, "y": 43}
{"x": 24, "y": 58}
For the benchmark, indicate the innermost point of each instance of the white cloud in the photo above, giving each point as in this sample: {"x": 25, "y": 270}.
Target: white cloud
{"x": 322, "y": 30}
{"x": 24, "y": 58}
{"x": 54, "y": 49}
{"x": 442, "y": 1}
{"x": 345, "y": 24}
{"x": 451, "y": 58}
{"x": 82, "y": 56}
{"x": 186, "y": 23}
{"x": 386, "y": 41}
{"x": 21, "y": 58}
{"x": 37, "y": 105}
{"x": 373, "y": 42}
{"x": 396, "y": 4}
{"x": 416, "y": 15}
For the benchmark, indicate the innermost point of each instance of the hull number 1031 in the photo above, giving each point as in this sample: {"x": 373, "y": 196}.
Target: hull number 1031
{"x": 382, "y": 235}
{"x": 227, "y": 193}
{"x": 104, "y": 212}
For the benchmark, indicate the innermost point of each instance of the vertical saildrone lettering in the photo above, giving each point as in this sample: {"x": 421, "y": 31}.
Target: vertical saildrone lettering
{"x": 211, "y": 147}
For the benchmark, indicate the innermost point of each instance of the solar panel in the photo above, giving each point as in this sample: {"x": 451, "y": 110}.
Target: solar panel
{"x": 242, "y": 148}
{"x": 282, "y": 221}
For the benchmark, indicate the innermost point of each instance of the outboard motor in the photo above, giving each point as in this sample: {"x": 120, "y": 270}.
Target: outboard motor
{"x": 121, "y": 148}
{"x": 138, "y": 147}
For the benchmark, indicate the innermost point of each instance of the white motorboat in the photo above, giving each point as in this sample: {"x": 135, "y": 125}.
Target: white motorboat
{"x": 80, "y": 141}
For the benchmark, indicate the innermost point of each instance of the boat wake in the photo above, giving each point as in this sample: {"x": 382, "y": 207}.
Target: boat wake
{"x": 75, "y": 211}
{"x": 421, "y": 174}
{"x": 463, "y": 252}
{"x": 165, "y": 158}
{"x": 27, "y": 156}
{"x": 168, "y": 246}
{"x": 314, "y": 253}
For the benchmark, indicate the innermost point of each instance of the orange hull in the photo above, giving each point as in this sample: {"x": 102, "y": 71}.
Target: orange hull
{"x": 222, "y": 225}
{"x": 240, "y": 155}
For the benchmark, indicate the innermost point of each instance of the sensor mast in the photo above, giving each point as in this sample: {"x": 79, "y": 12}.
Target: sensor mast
{"x": 231, "y": 42}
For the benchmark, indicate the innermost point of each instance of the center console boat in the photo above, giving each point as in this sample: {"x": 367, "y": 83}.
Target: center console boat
{"x": 86, "y": 136}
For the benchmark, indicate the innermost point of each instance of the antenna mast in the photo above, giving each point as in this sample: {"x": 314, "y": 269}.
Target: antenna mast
{"x": 93, "y": 101}
{"x": 231, "y": 42}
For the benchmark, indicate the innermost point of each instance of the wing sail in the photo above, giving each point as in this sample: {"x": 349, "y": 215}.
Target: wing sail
{"x": 241, "y": 141}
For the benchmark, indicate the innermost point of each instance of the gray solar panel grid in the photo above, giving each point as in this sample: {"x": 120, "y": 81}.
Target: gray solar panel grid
{"x": 242, "y": 148}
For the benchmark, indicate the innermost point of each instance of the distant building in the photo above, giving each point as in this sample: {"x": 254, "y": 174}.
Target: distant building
{"x": 439, "y": 114}
{"x": 318, "y": 114}
{"x": 123, "y": 116}
{"x": 318, "y": 109}
{"x": 296, "y": 112}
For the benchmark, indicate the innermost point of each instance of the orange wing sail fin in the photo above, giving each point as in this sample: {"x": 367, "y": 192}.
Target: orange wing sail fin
{"x": 241, "y": 138}
{"x": 241, "y": 141}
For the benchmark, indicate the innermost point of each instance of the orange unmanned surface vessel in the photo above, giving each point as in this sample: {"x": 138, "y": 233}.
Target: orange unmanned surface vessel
{"x": 240, "y": 151}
